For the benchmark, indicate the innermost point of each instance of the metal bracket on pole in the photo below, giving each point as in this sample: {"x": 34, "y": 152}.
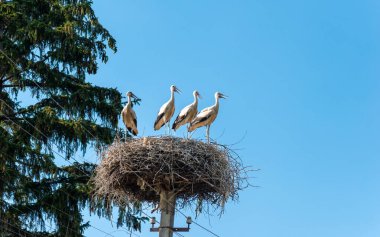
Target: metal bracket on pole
{"x": 167, "y": 208}
{"x": 174, "y": 229}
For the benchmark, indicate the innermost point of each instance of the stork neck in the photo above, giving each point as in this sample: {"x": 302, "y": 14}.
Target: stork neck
{"x": 195, "y": 99}
{"x": 217, "y": 102}
{"x": 129, "y": 100}
{"x": 172, "y": 95}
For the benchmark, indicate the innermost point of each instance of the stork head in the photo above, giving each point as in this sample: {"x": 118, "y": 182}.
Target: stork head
{"x": 196, "y": 94}
{"x": 220, "y": 95}
{"x": 173, "y": 88}
{"x": 130, "y": 94}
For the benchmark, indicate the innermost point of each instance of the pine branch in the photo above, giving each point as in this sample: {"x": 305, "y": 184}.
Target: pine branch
{"x": 50, "y": 48}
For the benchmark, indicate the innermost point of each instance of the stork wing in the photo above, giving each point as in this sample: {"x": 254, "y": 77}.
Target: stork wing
{"x": 181, "y": 116}
{"x": 134, "y": 117}
{"x": 165, "y": 114}
{"x": 179, "y": 119}
{"x": 160, "y": 115}
{"x": 201, "y": 119}
{"x": 206, "y": 109}
{"x": 124, "y": 117}
{"x": 202, "y": 116}
{"x": 184, "y": 112}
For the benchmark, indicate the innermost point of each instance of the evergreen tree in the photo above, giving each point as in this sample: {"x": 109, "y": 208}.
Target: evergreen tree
{"x": 47, "y": 48}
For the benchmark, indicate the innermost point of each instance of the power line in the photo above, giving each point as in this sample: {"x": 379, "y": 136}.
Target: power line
{"x": 62, "y": 157}
{"x": 176, "y": 233}
{"x": 68, "y": 193}
{"x": 49, "y": 146}
{"x": 43, "y": 133}
{"x": 211, "y": 232}
{"x": 206, "y": 229}
{"x": 8, "y": 230}
{"x": 32, "y": 210}
{"x": 42, "y": 89}
{"x": 62, "y": 213}
{"x": 181, "y": 211}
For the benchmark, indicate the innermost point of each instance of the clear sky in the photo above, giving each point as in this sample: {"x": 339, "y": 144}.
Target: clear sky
{"x": 304, "y": 103}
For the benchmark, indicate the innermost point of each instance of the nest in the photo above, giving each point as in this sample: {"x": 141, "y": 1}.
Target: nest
{"x": 138, "y": 169}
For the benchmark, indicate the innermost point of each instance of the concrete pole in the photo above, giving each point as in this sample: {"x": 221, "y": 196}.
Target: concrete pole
{"x": 167, "y": 207}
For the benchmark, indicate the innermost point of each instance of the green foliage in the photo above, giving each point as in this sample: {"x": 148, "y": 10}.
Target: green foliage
{"x": 47, "y": 48}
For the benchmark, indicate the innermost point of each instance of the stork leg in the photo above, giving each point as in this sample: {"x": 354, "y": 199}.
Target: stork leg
{"x": 168, "y": 124}
{"x": 189, "y": 134}
{"x": 187, "y": 130}
{"x": 208, "y": 133}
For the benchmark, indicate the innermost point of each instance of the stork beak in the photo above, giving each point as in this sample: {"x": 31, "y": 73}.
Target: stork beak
{"x": 177, "y": 90}
{"x": 223, "y": 96}
{"x": 135, "y": 97}
{"x": 199, "y": 96}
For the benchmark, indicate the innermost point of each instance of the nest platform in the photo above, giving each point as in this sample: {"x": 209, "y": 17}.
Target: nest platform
{"x": 138, "y": 169}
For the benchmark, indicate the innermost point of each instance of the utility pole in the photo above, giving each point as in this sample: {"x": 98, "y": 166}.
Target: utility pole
{"x": 167, "y": 208}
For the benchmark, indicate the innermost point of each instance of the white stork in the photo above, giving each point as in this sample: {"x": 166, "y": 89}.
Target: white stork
{"x": 129, "y": 115}
{"x": 166, "y": 111}
{"x": 188, "y": 113}
{"x": 207, "y": 116}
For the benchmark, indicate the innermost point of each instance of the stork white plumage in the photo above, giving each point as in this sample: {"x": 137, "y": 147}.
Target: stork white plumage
{"x": 188, "y": 113}
{"x": 166, "y": 111}
{"x": 129, "y": 116}
{"x": 207, "y": 116}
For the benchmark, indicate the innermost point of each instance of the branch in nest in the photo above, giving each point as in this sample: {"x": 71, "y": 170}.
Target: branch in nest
{"x": 139, "y": 169}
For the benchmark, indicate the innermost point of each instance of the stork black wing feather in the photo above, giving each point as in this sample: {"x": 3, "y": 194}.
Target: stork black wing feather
{"x": 178, "y": 120}
{"x": 199, "y": 120}
{"x": 158, "y": 119}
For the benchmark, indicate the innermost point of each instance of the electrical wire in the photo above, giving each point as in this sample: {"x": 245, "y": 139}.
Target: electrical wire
{"x": 19, "y": 234}
{"x": 66, "y": 160}
{"x": 42, "y": 89}
{"x": 211, "y": 232}
{"x": 176, "y": 233}
{"x": 15, "y": 208}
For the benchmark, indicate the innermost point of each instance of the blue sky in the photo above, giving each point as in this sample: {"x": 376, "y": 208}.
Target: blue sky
{"x": 304, "y": 102}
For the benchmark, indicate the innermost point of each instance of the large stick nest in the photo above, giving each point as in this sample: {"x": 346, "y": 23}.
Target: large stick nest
{"x": 139, "y": 169}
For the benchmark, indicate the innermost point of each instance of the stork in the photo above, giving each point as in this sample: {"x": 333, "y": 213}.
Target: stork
{"x": 129, "y": 116}
{"x": 188, "y": 113}
{"x": 166, "y": 111}
{"x": 207, "y": 116}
